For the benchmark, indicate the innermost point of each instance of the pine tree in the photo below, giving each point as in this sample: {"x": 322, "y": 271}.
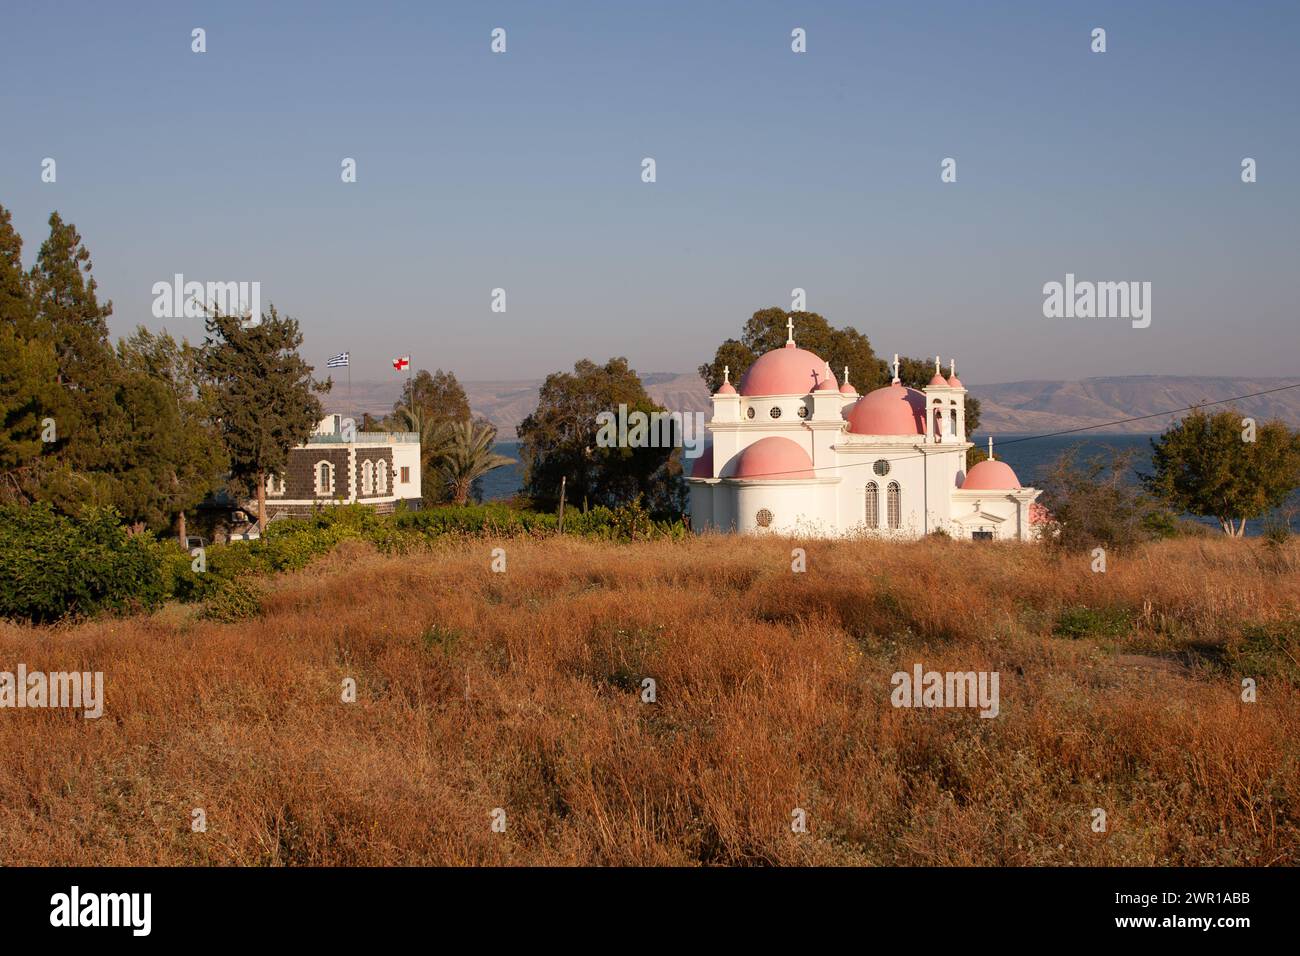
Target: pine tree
{"x": 261, "y": 394}
{"x": 30, "y": 399}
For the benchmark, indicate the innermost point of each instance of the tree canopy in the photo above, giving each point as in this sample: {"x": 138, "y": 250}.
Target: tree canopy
{"x": 1222, "y": 466}
{"x": 559, "y": 441}
{"x": 766, "y": 330}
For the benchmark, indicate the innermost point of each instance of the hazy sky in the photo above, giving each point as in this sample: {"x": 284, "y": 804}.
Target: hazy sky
{"x": 775, "y": 170}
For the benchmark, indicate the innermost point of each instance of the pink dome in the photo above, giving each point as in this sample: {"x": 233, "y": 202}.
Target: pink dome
{"x": 785, "y": 371}
{"x": 726, "y": 388}
{"x": 991, "y": 475}
{"x": 703, "y": 466}
{"x": 955, "y": 382}
{"x": 773, "y": 457}
{"x": 847, "y": 389}
{"x": 892, "y": 410}
{"x": 938, "y": 381}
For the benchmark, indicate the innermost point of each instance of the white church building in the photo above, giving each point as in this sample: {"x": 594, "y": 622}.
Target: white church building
{"x": 795, "y": 452}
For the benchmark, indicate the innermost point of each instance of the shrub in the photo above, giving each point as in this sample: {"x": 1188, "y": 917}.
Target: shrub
{"x": 1083, "y": 621}
{"x": 234, "y": 600}
{"x": 53, "y": 566}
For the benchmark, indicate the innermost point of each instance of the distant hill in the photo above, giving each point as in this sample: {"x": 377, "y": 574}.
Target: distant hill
{"x": 1038, "y": 406}
{"x": 1055, "y": 406}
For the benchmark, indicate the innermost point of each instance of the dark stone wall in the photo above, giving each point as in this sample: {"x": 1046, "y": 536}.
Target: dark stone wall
{"x": 300, "y": 477}
{"x": 381, "y": 457}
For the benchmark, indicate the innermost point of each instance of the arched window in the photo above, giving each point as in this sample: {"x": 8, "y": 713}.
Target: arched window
{"x": 367, "y": 477}
{"x": 894, "y": 504}
{"x": 872, "y": 512}
{"x": 274, "y": 485}
{"x": 324, "y": 478}
{"x": 381, "y": 477}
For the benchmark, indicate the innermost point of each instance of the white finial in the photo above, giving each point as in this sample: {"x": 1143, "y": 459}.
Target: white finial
{"x": 726, "y": 374}
{"x": 846, "y": 375}
{"x": 895, "y": 368}
{"x": 789, "y": 331}
{"x": 990, "y": 447}
{"x": 952, "y": 366}
{"x": 936, "y": 365}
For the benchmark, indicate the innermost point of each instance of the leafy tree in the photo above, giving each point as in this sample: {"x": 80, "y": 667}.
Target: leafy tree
{"x": 1093, "y": 505}
{"x": 1204, "y": 465}
{"x": 29, "y": 392}
{"x": 438, "y": 396}
{"x": 559, "y": 440}
{"x": 430, "y": 405}
{"x": 766, "y": 330}
{"x": 262, "y": 395}
{"x": 189, "y": 458}
{"x": 467, "y": 457}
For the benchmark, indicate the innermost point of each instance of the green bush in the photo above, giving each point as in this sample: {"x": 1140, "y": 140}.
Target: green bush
{"x": 53, "y": 566}
{"x": 1083, "y": 621}
{"x": 234, "y": 600}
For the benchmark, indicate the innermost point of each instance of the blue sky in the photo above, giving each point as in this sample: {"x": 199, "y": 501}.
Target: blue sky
{"x": 775, "y": 170}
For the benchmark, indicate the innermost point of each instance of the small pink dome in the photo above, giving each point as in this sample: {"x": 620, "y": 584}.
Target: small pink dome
{"x": 703, "y": 466}
{"x": 892, "y": 410}
{"x": 773, "y": 457}
{"x": 826, "y": 386}
{"x": 991, "y": 475}
{"x": 955, "y": 382}
{"x": 726, "y": 388}
{"x": 938, "y": 381}
{"x": 847, "y": 389}
{"x": 784, "y": 371}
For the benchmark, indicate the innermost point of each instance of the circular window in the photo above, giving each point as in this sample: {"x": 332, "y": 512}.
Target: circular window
{"x": 750, "y": 413}
{"x": 763, "y": 518}
{"x": 776, "y": 411}
{"x": 803, "y": 411}
{"x": 881, "y": 467}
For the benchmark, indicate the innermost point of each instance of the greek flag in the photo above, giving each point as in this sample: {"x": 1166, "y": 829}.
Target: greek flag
{"x": 338, "y": 361}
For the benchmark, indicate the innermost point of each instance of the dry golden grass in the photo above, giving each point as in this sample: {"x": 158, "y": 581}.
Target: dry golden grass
{"x": 522, "y": 691}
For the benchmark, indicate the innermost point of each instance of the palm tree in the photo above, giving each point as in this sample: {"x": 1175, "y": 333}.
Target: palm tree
{"x": 468, "y": 455}
{"x": 434, "y": 434}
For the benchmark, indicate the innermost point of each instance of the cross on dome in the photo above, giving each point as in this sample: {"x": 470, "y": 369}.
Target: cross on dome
{"x": 936, "y": 365}
{"x": 896, "y": 368}
{"x": 990, "y": 447}
{"x": 726, "y": 374}
{"x": 789, "y": 332}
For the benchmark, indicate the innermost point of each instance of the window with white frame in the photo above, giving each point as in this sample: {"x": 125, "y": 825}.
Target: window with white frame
{"x": 324, "y": 478}
{"x": 275, "y": 485}
{"x": 367, "y": 477}
{"x": 894, "y": 505}
{"x": 872, "y": 513}
{"x": 381, "y": 477}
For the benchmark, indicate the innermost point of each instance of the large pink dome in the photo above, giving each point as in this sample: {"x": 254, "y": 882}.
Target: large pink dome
{"x": 785, "y": 371}
{"x": 991, "y": 475}
{"x": 892, "y": 410}
{"x": 773, "y": 457}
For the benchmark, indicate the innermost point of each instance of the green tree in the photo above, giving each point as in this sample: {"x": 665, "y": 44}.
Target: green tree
{"x": 438, "y": 396}
{"x": 1207, "y": 465}
{"x": 767, "y": 330}
{"x": 1095, "y": 504}
{"x": 262, "y": 395}
{"x": 468, "y": 456}
{"x": 189, "y": 458}
{"x": 29, "y": 392}
{"x": 559, "y": 440}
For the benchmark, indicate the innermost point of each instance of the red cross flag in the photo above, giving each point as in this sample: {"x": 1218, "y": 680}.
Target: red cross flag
{"x": 401, "y": 363}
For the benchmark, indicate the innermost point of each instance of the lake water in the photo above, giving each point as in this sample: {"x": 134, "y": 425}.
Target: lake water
{"x": 1031, "y": 456}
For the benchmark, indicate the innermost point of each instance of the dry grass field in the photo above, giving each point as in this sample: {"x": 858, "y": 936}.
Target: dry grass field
{"x": 522, "y": 690}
